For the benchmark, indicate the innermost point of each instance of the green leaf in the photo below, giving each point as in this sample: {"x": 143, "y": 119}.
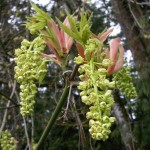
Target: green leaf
{"x": 72, "y": 23}
{"x": 100, "y": 34}
{"x": 38, "y": 21}
{"x": 80, "y": 31}
{"x": 40, "y": 12}
{"x": 68, "y": 31}
{"x": 85, "y": 26}
{"x": 85, "y": 34}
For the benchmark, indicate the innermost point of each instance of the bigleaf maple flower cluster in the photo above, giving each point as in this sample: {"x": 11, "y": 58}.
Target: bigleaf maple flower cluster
{"x": 124, "y": 83}
{"x": 97, "y": 63}
{"x": 30, "y": 68}
{"x": 96, "y": 91}
{"x": 7, "y": 141}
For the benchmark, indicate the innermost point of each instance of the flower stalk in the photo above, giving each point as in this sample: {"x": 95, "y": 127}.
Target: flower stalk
{"x": 53, "y": 117}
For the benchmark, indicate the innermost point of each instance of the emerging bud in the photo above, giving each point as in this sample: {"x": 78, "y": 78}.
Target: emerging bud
{"x": 78, "y": 60}
{"x": 115, "y": 54}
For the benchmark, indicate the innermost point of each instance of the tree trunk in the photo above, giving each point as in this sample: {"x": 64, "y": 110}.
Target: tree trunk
{"x": 132, "y": 17}
{"x": 123, "y": 123}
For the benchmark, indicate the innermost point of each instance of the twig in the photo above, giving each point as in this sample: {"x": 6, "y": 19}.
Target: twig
{"x": 26, "y": 148}
{"x": 69, "y": 96}
{"x": 82, "y": 134}
{"x": 26, "y": 133}
{"x": 142, "y": 3}
{"x": 134, "y": 17}
{"x": 28, "y": 13}
{"x": 75, "y": 69}
{"x": 9, "y": 98}
{"x": 2, "y": 108}
{"x": 8, "y": 104}
{"x": 32, "y": 128}
{"x": 91, "y": 144}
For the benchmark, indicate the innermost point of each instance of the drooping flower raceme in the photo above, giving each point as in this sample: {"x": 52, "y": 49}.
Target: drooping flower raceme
{"x": 7, "y": 142}
{"x": 96, "y": 94}
{"x": 30, "y": 68}
{"x": 96, "y": 89}
{"x": 124, "y": 83}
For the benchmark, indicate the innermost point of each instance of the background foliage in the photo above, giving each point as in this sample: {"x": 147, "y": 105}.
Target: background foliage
{"x": 132, "y": 128}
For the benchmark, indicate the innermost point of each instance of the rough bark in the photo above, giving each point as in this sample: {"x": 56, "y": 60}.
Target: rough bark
{"x": 123, "y": 123}
{"x": 130, "y": 16}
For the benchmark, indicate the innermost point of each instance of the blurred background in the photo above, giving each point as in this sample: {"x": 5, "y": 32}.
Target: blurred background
{"x": 131, "y": 22}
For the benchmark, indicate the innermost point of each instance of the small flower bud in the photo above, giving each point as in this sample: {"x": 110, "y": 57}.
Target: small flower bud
{"x": 102, "y": 71}
{"x": 106, "y": 62}
{"x": 78, "y": 60}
